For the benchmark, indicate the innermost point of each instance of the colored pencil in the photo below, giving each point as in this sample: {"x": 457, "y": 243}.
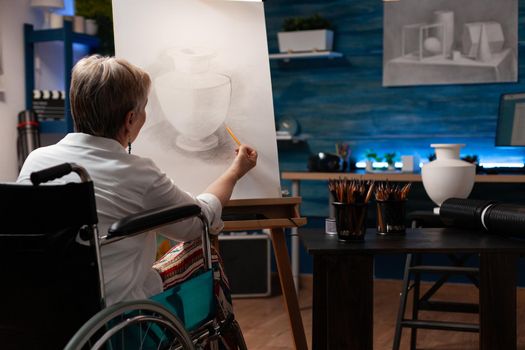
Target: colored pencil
{"x": 233, "y": 136}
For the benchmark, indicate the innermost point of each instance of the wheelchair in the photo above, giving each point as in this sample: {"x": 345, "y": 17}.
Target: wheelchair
{"x": 52, "y": 293}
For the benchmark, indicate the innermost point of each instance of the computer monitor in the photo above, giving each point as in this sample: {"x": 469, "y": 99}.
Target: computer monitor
{"x": 511, "y": 120}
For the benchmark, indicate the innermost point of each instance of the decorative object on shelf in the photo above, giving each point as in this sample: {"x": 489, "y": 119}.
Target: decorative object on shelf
{"x": 47, "y": 7}
{"x": 49, "y": 104}
{"x": 324, "y": 162}
{"x": 371, "y": 156}
{"x": 100, "y": 11}
{"x": 350, "y": 201}
{"x": 390, "y": 160}
{"x": 56, "y": 21}
{"x": 91, "y": 26}
{"x": 79, "y": 25}
{"x": 194, "y": 99}
{"x": 410, "y": 164}
{"x": 343, "y": 151}
{"x": 306, "y": 34}
{"x": 391, "y": 200}
{"x": 288, "y": 125}
{"x": 447, "y": 176}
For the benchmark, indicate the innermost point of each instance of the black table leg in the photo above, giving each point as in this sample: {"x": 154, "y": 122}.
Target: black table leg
{"x": 497, "y": 299}
{"x": 343, "y": 302}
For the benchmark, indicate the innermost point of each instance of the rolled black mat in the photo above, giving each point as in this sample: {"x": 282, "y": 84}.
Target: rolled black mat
{"x": 464, "y": 213}
{"x": 506, "y": 219}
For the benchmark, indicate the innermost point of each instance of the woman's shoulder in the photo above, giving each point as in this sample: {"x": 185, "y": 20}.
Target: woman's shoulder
{"x": 145, "y": 168}
{"x": 144, "y": 163}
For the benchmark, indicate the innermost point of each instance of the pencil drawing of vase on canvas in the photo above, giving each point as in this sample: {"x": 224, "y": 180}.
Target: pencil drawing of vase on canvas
{"x": 201, "y": 82}
{"x": 194, "y": 99}
{"x": 449, "y": 42}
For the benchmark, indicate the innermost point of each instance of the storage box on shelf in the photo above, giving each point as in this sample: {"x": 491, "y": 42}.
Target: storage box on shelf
{"x": 68, "y": 37}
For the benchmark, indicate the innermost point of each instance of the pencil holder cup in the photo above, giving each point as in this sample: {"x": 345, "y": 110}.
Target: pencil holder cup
{"x": 350, "y": 221}
{"x": 391, "y": 217}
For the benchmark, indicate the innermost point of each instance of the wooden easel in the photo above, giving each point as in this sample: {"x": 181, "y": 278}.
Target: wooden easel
{"x": 278, "y": 213}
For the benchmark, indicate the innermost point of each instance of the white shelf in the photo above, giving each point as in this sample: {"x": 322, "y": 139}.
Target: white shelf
{"x": 313, "y": 54}
{"x": 294, "y": 139}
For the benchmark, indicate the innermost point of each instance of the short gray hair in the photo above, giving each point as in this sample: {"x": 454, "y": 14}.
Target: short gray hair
{"x": 103, "y": 90}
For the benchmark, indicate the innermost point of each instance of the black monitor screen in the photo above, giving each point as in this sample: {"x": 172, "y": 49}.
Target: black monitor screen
{"x": 511, "y": 120}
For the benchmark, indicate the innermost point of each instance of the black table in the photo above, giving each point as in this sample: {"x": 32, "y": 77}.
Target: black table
{"x": 343, "y": 282}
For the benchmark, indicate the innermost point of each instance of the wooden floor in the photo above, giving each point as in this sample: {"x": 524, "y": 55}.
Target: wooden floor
{"x": 265, "y": 324}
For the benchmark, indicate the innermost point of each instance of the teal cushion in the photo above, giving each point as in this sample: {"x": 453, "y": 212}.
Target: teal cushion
{"x": 192, "y": 301}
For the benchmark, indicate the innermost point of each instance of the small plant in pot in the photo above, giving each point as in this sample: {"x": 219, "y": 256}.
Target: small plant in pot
{"x": 390, "y": 160}
{"x": 314, "y": 22}
{"x": 371, "y": 156}
{"x": 306, "y": 34}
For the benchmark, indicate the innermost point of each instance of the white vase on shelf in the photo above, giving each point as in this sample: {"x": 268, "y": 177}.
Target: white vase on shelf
{"x": 447, "y": 176}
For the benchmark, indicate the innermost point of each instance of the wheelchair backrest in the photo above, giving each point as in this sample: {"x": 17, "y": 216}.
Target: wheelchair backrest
{"x": 50, "y": 281}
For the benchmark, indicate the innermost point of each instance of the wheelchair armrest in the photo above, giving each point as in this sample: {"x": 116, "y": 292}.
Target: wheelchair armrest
{"x": 151, "y": 219}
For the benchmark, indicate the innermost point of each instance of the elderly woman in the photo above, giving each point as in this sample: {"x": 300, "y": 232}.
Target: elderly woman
{"x": 108, "y": 99}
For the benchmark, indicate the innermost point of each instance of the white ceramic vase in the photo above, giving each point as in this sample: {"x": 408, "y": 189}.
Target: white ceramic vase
{"x": 194, "y": 99}
{"x": 448, "y": 176}
{"x": 447, "y": 38}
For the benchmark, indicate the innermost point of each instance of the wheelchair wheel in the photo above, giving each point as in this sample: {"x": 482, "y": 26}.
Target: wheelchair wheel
{"x": 132, "y": 325}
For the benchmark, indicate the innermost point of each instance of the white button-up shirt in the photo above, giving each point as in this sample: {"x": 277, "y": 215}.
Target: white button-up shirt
{"x": 125, "y": 184}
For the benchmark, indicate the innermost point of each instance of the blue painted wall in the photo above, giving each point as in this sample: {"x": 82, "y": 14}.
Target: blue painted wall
{"x": 342, "y": 100}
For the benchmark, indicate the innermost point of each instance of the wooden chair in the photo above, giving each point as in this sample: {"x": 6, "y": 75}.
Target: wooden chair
{"x": 414, "y": 268}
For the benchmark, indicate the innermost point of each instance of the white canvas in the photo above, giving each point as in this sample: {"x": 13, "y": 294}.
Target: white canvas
{"x": 208, "y": 61}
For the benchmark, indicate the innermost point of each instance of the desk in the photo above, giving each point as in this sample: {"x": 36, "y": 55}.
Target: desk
{"x": 343, "y": 282}
{"x": 297, "y": 177}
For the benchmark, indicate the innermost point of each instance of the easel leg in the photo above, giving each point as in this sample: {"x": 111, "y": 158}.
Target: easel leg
{"x": 290, "y": 297}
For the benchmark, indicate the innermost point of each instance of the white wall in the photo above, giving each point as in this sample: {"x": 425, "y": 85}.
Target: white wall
{"x": 13, "y": 15}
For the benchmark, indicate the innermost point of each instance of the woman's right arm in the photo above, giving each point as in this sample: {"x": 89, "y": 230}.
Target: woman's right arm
{"x": 165, "y": 192}
{"x": 223, "y": 187}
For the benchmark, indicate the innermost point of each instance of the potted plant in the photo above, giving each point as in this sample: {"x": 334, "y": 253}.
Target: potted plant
{"x": 371, "y": 156}
{"x": 390, "y": 160}
{"x": 306, "y": 34}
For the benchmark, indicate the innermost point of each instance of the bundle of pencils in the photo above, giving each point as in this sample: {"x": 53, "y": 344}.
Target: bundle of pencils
{"x": 351, "y": 191}
{"x": 386, "y": 191}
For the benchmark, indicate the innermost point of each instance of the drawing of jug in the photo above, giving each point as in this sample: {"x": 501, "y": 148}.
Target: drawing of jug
{"x": 194, "y": 99}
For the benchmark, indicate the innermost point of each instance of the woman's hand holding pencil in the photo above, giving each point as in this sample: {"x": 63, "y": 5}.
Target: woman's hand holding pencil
{"x": 246, "y": 157}
{"x": 245, "y": 160}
